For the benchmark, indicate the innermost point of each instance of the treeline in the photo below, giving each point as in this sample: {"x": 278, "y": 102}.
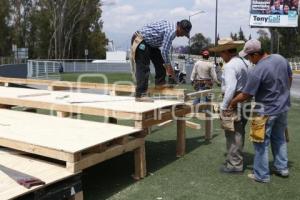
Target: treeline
{"x": 52, "y": 29}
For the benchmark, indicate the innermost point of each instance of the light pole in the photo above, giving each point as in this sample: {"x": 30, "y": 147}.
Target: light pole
{"x": 199, "y": 12}
{"x": 216, "y": 30}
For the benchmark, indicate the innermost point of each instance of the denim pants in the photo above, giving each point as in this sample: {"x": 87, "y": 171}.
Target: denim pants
{"x": 145, "y": 54}
{"x": 202, "y": 87}
{"x": 274, "y": 134}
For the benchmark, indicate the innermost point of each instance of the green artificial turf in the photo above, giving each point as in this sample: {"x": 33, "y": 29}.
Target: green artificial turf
{"x": 194, "y": 176}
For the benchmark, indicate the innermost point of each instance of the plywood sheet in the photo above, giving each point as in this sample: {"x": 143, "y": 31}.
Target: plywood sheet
{"x": 47, "y": 172}
{"x": 106, "y": 102}
{"x": 63, "y": 134}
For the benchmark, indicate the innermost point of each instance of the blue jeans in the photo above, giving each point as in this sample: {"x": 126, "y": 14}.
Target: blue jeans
{"x": 274, "y": 134}
{"x": 204, "y": 99}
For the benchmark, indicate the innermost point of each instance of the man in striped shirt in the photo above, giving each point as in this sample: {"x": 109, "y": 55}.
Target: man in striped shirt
{"x": 146, "y": 44}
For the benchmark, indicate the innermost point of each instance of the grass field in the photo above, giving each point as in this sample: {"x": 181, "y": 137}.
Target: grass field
{"x": 194, "y": 176}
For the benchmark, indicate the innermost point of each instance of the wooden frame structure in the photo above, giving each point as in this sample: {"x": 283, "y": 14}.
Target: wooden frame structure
{"x": 180, "y": 94}
{"x": 78, "y": 143}
{"x": 55, "y": 177}
{"x": 144, "y": 115}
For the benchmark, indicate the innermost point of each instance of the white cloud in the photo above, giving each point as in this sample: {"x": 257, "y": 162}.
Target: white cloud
{"x": 121, "y": 20}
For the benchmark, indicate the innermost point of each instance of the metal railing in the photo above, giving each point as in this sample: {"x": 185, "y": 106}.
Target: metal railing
{"x": 38, "y": 69}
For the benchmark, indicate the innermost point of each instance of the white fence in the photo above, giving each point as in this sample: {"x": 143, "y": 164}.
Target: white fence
{"x": 49, "y": 69}
{"x": 43, "y": 69}
{"x": 294, "y": 63}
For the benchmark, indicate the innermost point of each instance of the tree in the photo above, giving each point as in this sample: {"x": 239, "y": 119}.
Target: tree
{"x": 264, "y": 39}
{"x": 53, "y": 28}
{"x": 5, "y": 38}
{"x": 198, "y": 43}
{"x": 234, "y": 36}
{"x": 241, "y": 35}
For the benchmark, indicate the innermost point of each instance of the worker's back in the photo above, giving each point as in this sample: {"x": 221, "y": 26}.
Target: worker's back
{"x": 202, "y": 70}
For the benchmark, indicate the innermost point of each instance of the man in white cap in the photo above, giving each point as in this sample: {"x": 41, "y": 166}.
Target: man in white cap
{"x": 269, "y": 83}
{"x": 234, "y": 78}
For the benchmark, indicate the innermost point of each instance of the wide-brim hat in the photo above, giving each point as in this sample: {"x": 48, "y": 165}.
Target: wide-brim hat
{"x": 226, "y": 44}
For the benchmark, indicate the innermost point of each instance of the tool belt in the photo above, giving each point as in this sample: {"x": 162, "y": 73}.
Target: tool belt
{"x": 205, "y": 84}
{"x": 228, "y": 120}
{"x": 258, "y": 127}
{"x": 136, "y": 39}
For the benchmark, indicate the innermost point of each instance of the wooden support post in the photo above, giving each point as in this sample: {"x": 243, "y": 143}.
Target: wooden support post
{"x": 140, "y": 163}
{"x": 208, "y": 126}
{"x": 180, "y": 150}
{"x": 63, "y": 114}
{"x": 208, "y": 121}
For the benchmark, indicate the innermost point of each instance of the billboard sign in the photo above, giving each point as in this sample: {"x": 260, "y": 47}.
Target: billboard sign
{"x": 274, "y": 13}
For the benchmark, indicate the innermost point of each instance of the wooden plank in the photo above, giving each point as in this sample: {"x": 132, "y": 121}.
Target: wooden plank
{"x": 103, "y": 105}
{"x": 48, "y": 172}
{"x": 58, "y": 85}
{"x": 93, "y": 159}
{"x": 60, "y": 138}
{"x": 166, "y": 123}
{"x": 193, "y": 125}
{"x": 163, "y": 117}
{"x": 201, "y": 93}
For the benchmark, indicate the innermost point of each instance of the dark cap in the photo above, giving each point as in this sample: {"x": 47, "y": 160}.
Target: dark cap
{"x": 186, "y": 26}
{"x": 205, "y": 53}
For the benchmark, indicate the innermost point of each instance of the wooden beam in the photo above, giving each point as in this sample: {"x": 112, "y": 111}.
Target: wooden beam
{"x": 59, "y": 85}
{"x": 166, "y": 123}
{"x": 193, "y": 125}
{"x": 201, "y": 93}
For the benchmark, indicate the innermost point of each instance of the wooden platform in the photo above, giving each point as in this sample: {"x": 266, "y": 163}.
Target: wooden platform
{"x": 48, "y": 172}
{"x": 114, "y": 88}
{"x": 80, "y": 144}
{"x": 144, "y": 114}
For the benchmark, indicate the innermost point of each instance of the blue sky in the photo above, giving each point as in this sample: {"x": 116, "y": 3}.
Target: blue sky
{"x": 123, "y": 17}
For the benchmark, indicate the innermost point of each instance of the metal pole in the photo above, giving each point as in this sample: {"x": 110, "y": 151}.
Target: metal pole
{"x": 189, "y": 52}
{"x": 272, "y": 40}
{"x": 278, "y": 40}
{"x": 216, "y": 30}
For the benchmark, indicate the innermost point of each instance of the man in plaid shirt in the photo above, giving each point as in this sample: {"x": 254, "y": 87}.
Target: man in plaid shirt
{"x": 146, "y": 44}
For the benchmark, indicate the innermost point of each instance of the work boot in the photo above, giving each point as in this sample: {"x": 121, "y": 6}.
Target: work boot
{"x": 144, "y": 99}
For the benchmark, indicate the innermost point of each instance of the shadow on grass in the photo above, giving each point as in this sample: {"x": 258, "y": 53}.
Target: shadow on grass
{"x": 108, "y": 178}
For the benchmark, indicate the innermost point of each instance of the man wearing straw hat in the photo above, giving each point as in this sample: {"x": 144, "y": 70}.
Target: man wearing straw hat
{"x": 234, "y": 79}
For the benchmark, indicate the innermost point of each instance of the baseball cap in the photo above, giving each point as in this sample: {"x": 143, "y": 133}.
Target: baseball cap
{"x": 186, "y": 25}
{"x": 252, "y": 46}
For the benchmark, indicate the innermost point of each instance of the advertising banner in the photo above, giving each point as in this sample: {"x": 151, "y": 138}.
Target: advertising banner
{"x": 274, "y": 13}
